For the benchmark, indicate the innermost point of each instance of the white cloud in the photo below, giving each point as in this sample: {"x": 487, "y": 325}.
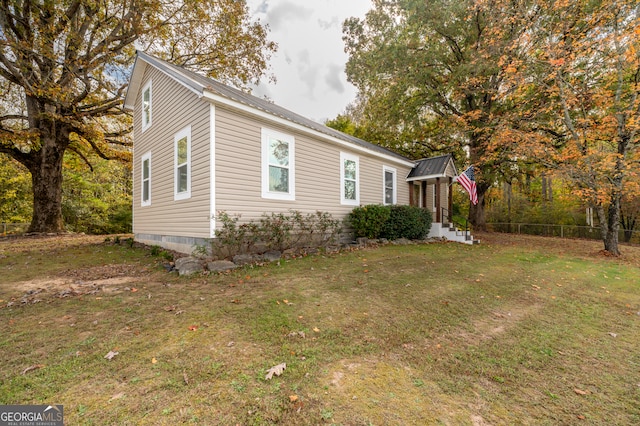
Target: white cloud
{"x": 333, "y": 78}
{"x": 309, "y": 64}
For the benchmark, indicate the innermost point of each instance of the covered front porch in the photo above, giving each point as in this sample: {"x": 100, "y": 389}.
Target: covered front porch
{"x": 430, "y": 188}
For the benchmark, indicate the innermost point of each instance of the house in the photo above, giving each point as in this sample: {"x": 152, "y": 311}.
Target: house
{"x": 201, "y": 147}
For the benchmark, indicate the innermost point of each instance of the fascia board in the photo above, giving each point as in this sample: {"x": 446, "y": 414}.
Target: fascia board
{"x": 426, "y": 177}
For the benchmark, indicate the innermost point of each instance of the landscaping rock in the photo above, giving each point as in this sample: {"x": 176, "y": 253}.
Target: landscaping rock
{"x": 221, "y": 266}
{"x": 244, "y": 259}
{"x": 183, "y": 260}
{"x": 188, "y": 265}
{"x": 272, "y": 256}
{"x": 362, "y": 241}
{"x": 402, "y": 242}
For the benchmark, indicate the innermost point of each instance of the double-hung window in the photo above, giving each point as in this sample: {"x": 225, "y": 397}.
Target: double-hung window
{"x": 390, "y": 193}
{"x": 146, "y": 106}
{"x": 349, "y": 179}
{"x": 278, "y": 165}
{"x": 146, "y": 180}
{"x": 182, "y": 164}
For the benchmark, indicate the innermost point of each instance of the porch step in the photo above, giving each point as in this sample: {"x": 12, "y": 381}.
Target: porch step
{"x": 452, "y": 233}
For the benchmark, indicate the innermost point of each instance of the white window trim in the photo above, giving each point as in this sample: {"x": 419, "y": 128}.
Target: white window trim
{"x": 145, "y": 157}
{"x": 344, "y": 156}
{"x": 392, "y": 170}
{"x": 212, "y": 170}
{"x": 146, "y": 125}
{"x": 186, "y": 132}
{"x": 266, "y": 193}
{"x": 433, "y": 197}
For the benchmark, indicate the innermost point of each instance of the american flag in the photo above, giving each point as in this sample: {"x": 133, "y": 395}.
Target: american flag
{"x": 468, "y": 181}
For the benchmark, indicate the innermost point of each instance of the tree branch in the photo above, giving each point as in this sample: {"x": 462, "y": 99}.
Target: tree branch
{"x": 13, "y": 117}
{"x": 81, "y": 155}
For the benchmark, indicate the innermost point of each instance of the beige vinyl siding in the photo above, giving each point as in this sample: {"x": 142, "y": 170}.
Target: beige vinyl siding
{"x": 431, "y": 198}
{"x": 451, "y": 170}
{"x": 317, "y": 171}
{"x": 444, "y": 193}
{"x": 173, "y": 108}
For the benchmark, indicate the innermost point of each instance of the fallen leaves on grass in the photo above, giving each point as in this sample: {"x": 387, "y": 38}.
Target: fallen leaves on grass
{"x": 111, "y": 355}
{"x": 117, "y": 396}
{"x": 32, "y": 368}
{"x": 277, "y": 370}
{"x": 581, "y": 392}
{"x": 193, "y": 327}
{"x": 154, "y": 360}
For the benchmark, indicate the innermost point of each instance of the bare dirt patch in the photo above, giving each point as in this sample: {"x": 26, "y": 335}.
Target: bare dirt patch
{"x": 95, "y": 277}
{"x": 49, "y": 252}
{"x": 498, "y": 322}
{"x": 34, "y": 291}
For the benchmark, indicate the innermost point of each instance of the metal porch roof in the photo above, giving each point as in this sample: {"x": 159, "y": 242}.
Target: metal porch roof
{"x": 432, "y": 168}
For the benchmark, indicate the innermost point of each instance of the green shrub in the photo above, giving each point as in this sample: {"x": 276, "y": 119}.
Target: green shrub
{"x": 278, "y": 231}
{"x": 368, "y": 221}
{"x": 408, "y": 222}
{"x": 317, "y": 229}
{"x": 231, "y": 238}
{"x": 275, "y": 231}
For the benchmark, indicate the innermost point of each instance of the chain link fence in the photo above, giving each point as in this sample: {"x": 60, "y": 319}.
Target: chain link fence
{"x": 13, "y": 228}
{"x": 562, "y": 231}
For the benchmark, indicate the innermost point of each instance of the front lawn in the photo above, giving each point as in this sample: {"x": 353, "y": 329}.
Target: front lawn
{"x": 516, "y": 330}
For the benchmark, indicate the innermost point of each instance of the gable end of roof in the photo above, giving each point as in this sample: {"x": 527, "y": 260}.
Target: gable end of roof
{"x": 203, "y": 86}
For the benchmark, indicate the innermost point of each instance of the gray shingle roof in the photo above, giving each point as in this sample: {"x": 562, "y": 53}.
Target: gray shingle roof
{"x": 199, "y": 84}
{"x": 435, "y": 166}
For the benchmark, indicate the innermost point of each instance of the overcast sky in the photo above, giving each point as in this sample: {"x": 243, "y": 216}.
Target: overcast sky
{"x": 309, "y": 64}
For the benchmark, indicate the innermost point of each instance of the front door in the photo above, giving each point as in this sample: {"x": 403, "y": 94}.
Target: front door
{"x": 416, "y": 198}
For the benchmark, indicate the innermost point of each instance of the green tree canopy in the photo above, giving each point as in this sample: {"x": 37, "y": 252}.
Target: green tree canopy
{"x": 64, "y": 69}
{"x": 430, "y": 77}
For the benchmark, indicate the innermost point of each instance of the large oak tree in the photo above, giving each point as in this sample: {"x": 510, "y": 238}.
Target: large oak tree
{"x": 64, "y": 68}
{"x": 431, "y": 76}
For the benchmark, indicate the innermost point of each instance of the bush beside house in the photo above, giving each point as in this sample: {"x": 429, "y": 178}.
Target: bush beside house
{"x": 274, "y": 232}
{"x": 390, "y": 222}
{"x": 278, "y": 233}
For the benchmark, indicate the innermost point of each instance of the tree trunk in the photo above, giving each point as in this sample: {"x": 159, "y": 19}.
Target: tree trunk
{"x": 477, "y": 216}
{"x": 46, "y": 177}
{"x": 602, "y": 220}
{"x": 613, "y": 226}
{"x": 609, "y": 226}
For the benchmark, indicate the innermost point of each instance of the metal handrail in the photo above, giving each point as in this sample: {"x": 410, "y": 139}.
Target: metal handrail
{"x": 445, "y": 213}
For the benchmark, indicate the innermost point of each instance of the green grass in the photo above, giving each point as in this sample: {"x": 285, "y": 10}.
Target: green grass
{"x": 511, "y": 332}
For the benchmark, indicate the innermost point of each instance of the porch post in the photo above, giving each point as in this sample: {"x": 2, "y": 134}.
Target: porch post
{"x": 412, "y": 202}
{"x": 450, "y": 199}
{"x": 438, "y": 195}
{"x": 423, "y": 188}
